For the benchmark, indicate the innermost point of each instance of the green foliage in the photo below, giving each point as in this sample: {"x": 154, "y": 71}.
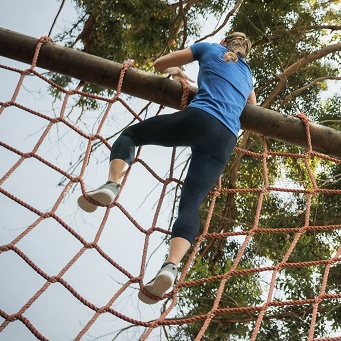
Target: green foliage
{"x": 118, "y": 30}
{"x": 328, "y": 112}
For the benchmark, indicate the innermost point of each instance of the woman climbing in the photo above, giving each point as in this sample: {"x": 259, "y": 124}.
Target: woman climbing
{"x": 209, "y": 125}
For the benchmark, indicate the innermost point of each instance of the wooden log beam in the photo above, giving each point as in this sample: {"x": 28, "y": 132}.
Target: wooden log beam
{"x": 105, "y": 73}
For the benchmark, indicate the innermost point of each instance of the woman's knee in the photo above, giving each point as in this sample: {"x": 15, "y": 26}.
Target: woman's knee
{"x": 186, "y": 228}
{"x": 124, "y": 147}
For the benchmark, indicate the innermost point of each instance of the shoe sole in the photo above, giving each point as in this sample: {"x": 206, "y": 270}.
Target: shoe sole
{"x": 103, "y": 196}
{"x": 161, "y": 284}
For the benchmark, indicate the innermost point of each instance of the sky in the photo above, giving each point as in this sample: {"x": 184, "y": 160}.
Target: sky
{"x": 57, "y": 314}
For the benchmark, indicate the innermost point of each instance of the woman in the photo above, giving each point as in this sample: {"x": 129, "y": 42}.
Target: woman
{"x": 209, "y": 125}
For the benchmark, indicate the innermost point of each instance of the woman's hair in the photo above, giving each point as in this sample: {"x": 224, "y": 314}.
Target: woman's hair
{"x": 238, "y": 44}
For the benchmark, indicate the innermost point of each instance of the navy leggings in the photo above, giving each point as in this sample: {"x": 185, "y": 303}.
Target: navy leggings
{"x": 211, "y": 143}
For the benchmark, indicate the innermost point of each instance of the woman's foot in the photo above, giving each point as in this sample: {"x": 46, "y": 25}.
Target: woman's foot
{"x": 104, "y": 195}
{"x": 162, "y": 282}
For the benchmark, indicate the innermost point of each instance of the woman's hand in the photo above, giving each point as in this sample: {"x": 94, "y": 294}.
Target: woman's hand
{"x": 177, "y": 75}
{"x": 170, "y": 62}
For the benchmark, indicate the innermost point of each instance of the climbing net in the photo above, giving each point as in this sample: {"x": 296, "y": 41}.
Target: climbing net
{"x": 31, "y": 311}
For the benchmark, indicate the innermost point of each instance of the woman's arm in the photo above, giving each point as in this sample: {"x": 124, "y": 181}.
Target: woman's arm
{"x": 170, "y": 64}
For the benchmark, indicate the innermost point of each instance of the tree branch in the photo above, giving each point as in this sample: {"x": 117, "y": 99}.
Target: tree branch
{"x": 55, "y": 19}
{"x": 176, "y": 5}
{"x": 85, "y": 35}
{"x": 295, "y": 93}
{"x": 297, "y": 66}
{"x": 295, "y": 30}
{"x": 227, "y": 18}
{"x": 182, "y": 14}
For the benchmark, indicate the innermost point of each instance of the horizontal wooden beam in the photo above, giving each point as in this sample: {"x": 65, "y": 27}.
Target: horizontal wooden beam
{"x": 105, "y": 73}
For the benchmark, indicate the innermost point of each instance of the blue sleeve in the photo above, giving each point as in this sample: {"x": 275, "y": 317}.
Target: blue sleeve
{"x": 198, "y": 49}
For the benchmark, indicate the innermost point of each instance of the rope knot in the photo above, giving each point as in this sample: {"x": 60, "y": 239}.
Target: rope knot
{"x": 76, "y": 179}
{"x": 7, "y": 104}
{"x": 13, "y": 317}
{"x": 53, "y": 279}
{"x": 102, "y": 310}
{"x": 90, "y": 245}
{"x": 5, "y": 248}
{"x": 27, "y": 155}
{"x": 26, "y": 72}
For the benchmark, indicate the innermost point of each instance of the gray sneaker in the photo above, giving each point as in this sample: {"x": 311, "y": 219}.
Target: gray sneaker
{"x": 104, "y": 195}
{"x": 159, "y": 285}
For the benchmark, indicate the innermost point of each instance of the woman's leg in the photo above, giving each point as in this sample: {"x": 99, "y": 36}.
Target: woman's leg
{"x": 203, "y": 173}
{"x": 165, "y": 130}
{"x": 177, "y": 249}
{"x": 214, "y": 144}
{"x": 117, "y": 170}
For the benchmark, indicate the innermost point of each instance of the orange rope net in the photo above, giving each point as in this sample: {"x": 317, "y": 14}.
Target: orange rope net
{"x": 137, "y": 278}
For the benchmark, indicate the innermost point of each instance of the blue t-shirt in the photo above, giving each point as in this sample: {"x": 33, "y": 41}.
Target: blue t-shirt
{"x": 223, "y": 87}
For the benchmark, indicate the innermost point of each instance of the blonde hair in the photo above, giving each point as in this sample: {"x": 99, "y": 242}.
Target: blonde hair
{"x": 238, "y": 44}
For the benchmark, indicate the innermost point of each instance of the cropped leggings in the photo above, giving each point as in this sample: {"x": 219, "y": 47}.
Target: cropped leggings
{"x": 211, "y": 143}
